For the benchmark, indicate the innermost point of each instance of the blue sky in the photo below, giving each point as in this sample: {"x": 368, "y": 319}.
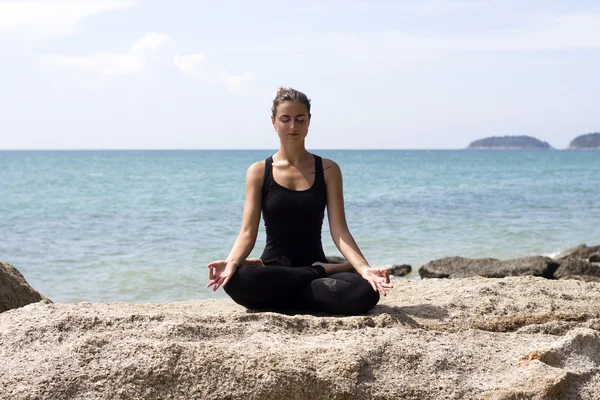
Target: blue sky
{"x": 422, "y": 74}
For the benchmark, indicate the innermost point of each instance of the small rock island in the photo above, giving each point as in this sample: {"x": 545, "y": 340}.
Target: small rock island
{"x": 509, "y": 143}
{"x": 588, "y": 141}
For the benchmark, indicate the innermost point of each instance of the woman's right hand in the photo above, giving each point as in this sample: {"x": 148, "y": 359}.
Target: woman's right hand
{"x": 219, "y": 273}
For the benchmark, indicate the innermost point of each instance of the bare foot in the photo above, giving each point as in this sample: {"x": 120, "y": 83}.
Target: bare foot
{"x": 335, "y": 268}
{"x": 253, "y": 262}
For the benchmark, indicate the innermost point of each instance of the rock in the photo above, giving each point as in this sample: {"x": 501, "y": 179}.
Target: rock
{"x": 581, "y": 251}
{"x": 585, "y": 278}
{"x": 594, "y": 257}
{"x": 508, "y": 142}
{"x": 576, "y": 266}
{"x": 15, "y": 292}
{"x": 459, "y": 267}
{"x": 517, "y": 337}
{"x": 400, "y": 270}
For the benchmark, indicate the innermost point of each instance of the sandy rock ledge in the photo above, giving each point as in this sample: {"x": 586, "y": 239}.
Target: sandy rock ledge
{"x": 472, "y": 338}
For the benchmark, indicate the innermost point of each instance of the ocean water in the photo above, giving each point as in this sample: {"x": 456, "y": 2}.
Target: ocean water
{"x": 140, "y": 226}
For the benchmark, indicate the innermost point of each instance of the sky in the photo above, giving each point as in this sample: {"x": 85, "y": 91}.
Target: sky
{"x": 381, "y": 74}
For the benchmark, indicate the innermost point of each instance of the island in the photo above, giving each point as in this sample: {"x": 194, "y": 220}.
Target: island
{"x": 509, "y": 143}
{"x": 588, "y": 141}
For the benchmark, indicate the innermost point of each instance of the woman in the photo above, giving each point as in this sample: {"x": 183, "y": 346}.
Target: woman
{"x": 292, "y": 189}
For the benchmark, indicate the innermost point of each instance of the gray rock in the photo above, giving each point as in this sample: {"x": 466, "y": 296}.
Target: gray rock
{"x": 594, "y": 257}
{"x": 576, "y": 266}
{"x": 400, "y": 270}
{"x": 15, "y": 292}
{"x": 460, "y": 267}
{"x": 581, "y": 251}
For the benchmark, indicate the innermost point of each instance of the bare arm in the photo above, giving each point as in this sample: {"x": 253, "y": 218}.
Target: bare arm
{"x": 337, "y": 218}
{"x": 251, "y": 218}
{"x": 378, "y": 278}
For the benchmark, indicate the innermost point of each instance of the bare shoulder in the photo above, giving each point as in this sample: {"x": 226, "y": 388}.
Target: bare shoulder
{"x": 256, "y": 171}
{"x": 329, "y": 164}
{"x": 331, "y": 170}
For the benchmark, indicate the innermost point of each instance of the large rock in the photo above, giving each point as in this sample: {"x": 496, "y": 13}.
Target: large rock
{"x": 576, "y": 266}
{"x": 475, "y": 338}
{"x": 15, "y": 292}
{"x": 594, "y": 257}
{"x": 460, "y": 267}
{"x": 581, "y": 251}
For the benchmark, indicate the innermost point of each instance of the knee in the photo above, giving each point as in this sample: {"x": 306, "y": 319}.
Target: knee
{"x": 367, "y": 299}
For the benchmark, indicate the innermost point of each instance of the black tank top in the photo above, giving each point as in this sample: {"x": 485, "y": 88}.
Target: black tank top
{"x": 293, "y": 220}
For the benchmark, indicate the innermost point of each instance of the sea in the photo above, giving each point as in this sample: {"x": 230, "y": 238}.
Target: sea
{"x": 141, "y": 226}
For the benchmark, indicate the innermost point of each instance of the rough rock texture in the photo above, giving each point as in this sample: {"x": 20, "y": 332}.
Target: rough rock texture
{"x": 459, "y": 267}
{"x": 15, "y": 292}
{"x": 576, "y": 266}
{"x": 581, "y": 251}
{"x": 400, "y": 270}
{"x": 474, "y": 338}
{"x": 585, "y": 278}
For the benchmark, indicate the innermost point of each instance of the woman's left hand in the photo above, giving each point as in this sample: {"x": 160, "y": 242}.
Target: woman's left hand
{"x": 379, "y": 278}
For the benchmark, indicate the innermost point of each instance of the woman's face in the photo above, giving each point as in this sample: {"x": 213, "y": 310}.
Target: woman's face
{"x": 292, "y": 121}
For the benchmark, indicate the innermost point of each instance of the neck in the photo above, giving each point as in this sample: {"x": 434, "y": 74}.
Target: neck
{"x": 295, "y": 154}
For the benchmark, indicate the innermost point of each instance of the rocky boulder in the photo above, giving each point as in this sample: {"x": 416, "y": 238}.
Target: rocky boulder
{"x": 595, "y": 258}
{"x": 15, "y": 292}
{"x": 474, "y": 338}
{"x": 576, "y": 266}
{"x": 581, "y": 251}
{"x": 460, "y": 267}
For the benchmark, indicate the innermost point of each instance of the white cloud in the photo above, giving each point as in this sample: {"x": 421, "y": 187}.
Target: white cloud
{"x": 149, "y": 43}
{"x": 105, "y": 63}
{"x": 38, "y": 19}
{"x": 194, "y": 65}
{"x": 239, "y": 83}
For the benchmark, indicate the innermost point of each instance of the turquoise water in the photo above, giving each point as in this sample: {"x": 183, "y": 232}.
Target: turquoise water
{"x": 140, "y": 226}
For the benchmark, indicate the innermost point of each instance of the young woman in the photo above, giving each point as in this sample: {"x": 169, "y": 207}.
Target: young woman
{"x": 292, "y": 189}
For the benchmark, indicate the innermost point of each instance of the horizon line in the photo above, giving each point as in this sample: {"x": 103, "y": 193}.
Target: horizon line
{"x": 275, "y": 149}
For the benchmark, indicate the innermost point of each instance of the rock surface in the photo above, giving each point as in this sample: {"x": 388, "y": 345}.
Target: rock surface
{"x": 576, "y": 266}
{"x": 474, "y": 338}
{"x": 400, "y": 270}
{"x": 582, "y": 251}
{"x": 460, "y": 267}
{"x": 15, "y": 292}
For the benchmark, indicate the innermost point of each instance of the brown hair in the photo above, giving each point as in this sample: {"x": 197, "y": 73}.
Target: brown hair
{"x": 289, "y": 94}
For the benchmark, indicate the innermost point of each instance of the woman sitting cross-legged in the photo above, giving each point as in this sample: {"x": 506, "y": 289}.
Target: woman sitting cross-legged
{"x": 292, "y": 189}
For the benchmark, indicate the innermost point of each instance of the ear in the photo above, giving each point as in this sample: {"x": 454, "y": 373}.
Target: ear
{"x": 273, "y": 122}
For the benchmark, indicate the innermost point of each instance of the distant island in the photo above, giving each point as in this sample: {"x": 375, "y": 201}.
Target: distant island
{"x": 509, "y": 143}
{"x": 589, "y": 141}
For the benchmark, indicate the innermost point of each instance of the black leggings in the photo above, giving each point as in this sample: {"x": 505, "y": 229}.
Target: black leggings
{"x": 301, "y": 288}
